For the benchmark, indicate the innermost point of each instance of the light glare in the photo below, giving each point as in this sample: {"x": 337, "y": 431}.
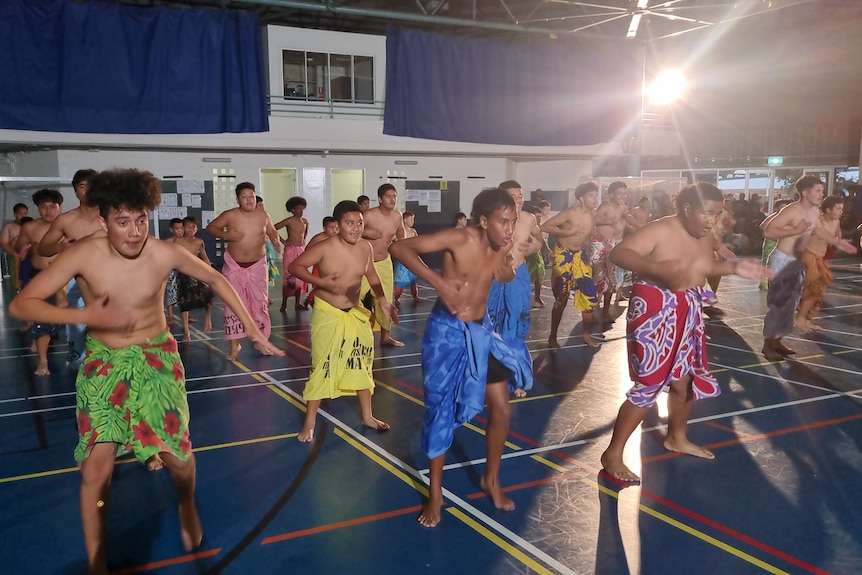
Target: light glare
{"x": 668, "y": 87}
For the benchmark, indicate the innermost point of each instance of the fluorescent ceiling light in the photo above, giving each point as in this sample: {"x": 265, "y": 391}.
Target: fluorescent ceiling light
{"x": 633, "y": 26}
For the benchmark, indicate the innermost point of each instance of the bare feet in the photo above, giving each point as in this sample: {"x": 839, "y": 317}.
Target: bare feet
{"x": 689, "y": 448}
{"x": 263, "y": 350}
{"x": 234, "y": 352}
{"x": 193, "y": 320}
{"x": 552, "y": 343}
{"x": 375, "y": 423}
{"x": 155, "y": 463}
{"x": 306, "y": 434}
{"x": 208, "y": 326}
{"x": 495, "y": 492}
{"x": 615, "y": 467}
{"x": 520, "y": 393}
{"x": 430, "y": 516}
{"x": 539, "y": 301}
{"x": 42, "y": 369}
{"x": 783, "y": 349}
{"x": 191, "y": 531}
{"x": 283, "y": 308}
{"x": 33, "y": 346}
{"x": 392, "y": 342}
{"x": 300, "y": 307}
{"x": 187, "y": 336}
{"x": 588, "y": 339}
{"x": 806, "y": 325}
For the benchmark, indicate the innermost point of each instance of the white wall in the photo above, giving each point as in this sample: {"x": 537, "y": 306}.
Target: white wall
{"x": 552, "y": 174}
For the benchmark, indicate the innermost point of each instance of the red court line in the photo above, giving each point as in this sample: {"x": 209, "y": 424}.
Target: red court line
{"x": 167, "y": 562}
{"x": 340, "y": 524}
{"x": 758, "y": 436}
{"x": 682, "y": 510}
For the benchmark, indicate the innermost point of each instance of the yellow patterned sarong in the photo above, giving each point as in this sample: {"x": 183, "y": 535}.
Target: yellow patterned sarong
{"x": 573, "y": 272}
{"x": 387, "y": 280}
{"x": 342, "y": 350}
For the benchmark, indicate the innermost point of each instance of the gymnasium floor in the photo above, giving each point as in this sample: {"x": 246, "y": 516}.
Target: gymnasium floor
{"x": 782, "y": 495}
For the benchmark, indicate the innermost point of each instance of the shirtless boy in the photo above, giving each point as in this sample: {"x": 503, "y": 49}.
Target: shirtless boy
{"x": 192, "y": 293}
{"x": 608, "y": 232}
{"x": 294, "y": 245}
{"x": 48, "y": 202}
{"x": 131, "y": 357}
{"x": 466, "y": 365}
{"x": 69, "y": 227}
{"x": 672, "y": 257}
{"x": 792, "y": 228}
{"x": 572, "y": 271}
{"x": 818, "y": 276}
{"x": 639, "y": 216}
{"x": 245, "y": 229}
{"x": 177, "y": 231}
{"x": 342, "y": 344}
{"x": 8, "y": 235}
{"x": 382, "y": 225}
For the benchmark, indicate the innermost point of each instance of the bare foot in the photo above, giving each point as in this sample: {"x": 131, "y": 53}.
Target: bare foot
{"x": 234, "y": 352}
{"x": 520, "y": 393}
{"x": 392, "y": 342}
{"x": 306, "y": 434}
{"x": 300, "y": 307}
{"x": 689, "y": 448}
{"x": 283, "y": 308}
{"x": 783, "y": 349}
{"x": 208, "y": 326}
{"x": 539, "y": 301}
{"x": 588, "y": 339}
{"x": 262, "y": 350}
{"x": 417, "y": 299}
{"x": 804, "y": 324}
{"x": 771, "y": 354}
{"x": 618, "y": 470}
{"x": 375, "y": 423}
{"x": 42, "y": 369}
{"x": 552, "y": 343}
{"x": 191, "y": 531}
{"x": 187, "y": 336}
{"x": 193, "y": 320}
{"x": 33, "y": 346}
{"x": 155, "y": 463}
{"x": 492, "y": 488}
{"x": 430, "y": 516}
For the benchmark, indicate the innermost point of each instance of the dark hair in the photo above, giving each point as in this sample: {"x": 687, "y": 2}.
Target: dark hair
{"x": 291, "y": 203}
{"x": 129, "y": 188}
{"x": 806, "y": 182}
{"x": 328, "y": 220}
{"x": 585, "y": 188}
{"x": 258, "y": 199}
{"x": 459, "y": 215}
{"x": 191, "y": 220}
{"x": 244, "y": 186}
{"x": 381, "y": 191}
{"x": 489, "y": 201}
{"x": 509, "y": 185}
{"x": 175, "y": 221}
{"x": 362, "y": 199}
{"x": 830, "y": 203}
{"x": 17, "y": 207}
{"x": 344, "y": 207}
{"x": 544, "y": 203}
{"x": 47, "y": 195}
{"x": 406, "y": 214}
{"x": 696, "y": 194}
{"x": 82, "y": 176}
{"x": 25, "y": 220}
{"x": 614, "y": 186}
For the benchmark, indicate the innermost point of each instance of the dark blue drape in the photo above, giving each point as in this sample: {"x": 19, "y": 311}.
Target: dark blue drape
{"x": 456, "y": 89}
{"x": 111, "y": 68}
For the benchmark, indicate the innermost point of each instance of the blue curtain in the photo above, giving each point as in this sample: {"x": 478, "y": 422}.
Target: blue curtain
{"x": 464, "y": 90}
{"x": 110, "y": 68}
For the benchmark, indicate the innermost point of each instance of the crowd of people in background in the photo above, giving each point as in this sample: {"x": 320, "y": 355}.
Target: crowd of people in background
{"x": 96, "y": 270}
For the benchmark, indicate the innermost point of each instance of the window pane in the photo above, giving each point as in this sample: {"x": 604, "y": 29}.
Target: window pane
{"x": 363, "y": 79}
{"x": 293, "y": 73}
{"x": 340, "y": 74}
{"x": 316, "y": 64}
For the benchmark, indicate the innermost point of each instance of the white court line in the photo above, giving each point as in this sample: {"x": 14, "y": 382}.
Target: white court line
{"x": 453, "y": 499}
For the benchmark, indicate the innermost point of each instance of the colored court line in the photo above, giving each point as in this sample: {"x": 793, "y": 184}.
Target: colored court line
{"x": 167, "y": 562}
{"x": 340, "y": 524}
{"x": 500, "y": 542}
{"x": 696, "y": 533}
{"x": 759, "y": 436}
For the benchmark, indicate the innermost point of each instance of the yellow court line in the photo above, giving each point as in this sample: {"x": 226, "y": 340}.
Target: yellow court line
{"x": 692, "y": 531}
{"x": 408, "y": 479}
{"x": 125, "y": 461}
{"x": 296, "y": 343}
{"x": 500, "y": 542}
{"x": 397, "y": 391}
{"x": 299, "y": 405}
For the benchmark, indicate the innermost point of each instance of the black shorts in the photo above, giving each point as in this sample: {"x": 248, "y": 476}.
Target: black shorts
{"x": 497, "y": 371}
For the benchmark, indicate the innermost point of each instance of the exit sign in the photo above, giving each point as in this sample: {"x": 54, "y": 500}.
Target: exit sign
{"x": 774, "y": 160}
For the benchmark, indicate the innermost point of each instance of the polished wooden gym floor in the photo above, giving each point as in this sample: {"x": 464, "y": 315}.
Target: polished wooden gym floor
{"x": 782, "y": 496}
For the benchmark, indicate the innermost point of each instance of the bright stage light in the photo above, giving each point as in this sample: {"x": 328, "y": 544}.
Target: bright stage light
{"x": 668, "y": 87}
